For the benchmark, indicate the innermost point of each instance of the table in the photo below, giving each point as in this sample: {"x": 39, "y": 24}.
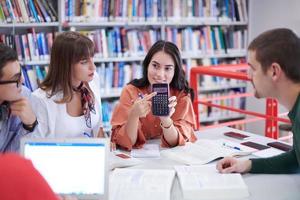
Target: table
{"x": 261, "y": 186}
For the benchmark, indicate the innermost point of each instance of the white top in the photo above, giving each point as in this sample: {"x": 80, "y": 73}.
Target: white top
{"x": 55, "y": 122}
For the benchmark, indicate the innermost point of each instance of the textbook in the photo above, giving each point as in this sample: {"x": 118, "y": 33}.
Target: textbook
{"x": 204, "y": 182}
{"x": 145, "y": 184}
{"x": 204, "y": 151}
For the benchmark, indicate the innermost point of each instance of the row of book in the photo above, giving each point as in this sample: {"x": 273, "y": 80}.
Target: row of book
{"x": 152, "y": 10}
{"x": 26, "y": 11}
{"x": 233, "y": 10}
{"x": 114, "y": 75}
{"x": 208, "y": 39}
{"x": 121, "y": 42}
{"x": 31, "y": 46}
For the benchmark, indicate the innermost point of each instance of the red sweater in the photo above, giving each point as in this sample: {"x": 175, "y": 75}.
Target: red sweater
{"x": 20, "y": 180}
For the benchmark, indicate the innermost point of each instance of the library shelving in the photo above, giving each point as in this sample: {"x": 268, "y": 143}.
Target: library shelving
{"x": 206, "y": 31}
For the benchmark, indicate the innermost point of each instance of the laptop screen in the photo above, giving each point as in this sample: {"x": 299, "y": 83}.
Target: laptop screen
{"x": 75, "y": 166}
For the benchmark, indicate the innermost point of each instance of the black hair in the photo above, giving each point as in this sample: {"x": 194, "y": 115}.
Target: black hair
{"x": 7, "y": 54}
{"x": 179, "y": 81}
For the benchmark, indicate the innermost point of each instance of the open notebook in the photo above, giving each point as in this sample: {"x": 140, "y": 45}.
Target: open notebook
{"x": 204, "y": 182}
{"x": 204, "y": 151}
{"x": 76, "y": 167}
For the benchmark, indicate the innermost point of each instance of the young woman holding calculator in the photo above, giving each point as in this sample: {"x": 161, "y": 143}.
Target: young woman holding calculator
{"x": 133, "y": 120}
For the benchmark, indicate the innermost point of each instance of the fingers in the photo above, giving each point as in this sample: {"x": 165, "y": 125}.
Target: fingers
{"x": 172, "y": 101}
{"x": 22, "y": 109}
{"x": 226, "y": 165}
{"x": 113, "y": 146}
{"x": 149, "y": 96}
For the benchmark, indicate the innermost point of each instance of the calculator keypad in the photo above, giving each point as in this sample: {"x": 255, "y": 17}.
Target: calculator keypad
{"x": 160, "y": 105}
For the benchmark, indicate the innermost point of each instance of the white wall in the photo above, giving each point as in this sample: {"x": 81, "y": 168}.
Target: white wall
{"x": 265, "y": 15}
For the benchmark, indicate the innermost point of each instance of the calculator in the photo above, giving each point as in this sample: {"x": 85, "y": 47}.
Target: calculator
{"x": 160, "y": 102}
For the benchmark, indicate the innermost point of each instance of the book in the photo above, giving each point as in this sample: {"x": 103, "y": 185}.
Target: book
{"x": 205, "y": 182}
{"x": 204, "y": 151}
{"x": 137, "y": 184}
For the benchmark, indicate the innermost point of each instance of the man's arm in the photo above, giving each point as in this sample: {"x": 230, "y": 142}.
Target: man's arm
{"x": 281, "y": 164}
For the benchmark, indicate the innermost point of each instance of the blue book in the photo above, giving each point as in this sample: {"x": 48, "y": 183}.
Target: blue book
{"x": 39, "y": 44}
{"x": 26, "y": 78}
{"x": 34, "y": 12}
{"x": 159, "y": 10}
{"x": 121, "y": 74}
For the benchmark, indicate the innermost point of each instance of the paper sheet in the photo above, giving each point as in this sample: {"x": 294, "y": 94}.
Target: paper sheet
{"x": 148, "y": 151}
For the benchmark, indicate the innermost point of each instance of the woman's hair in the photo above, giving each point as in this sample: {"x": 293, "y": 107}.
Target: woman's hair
{"x": 68, "y": 49}
{"x": 178, "y": 82}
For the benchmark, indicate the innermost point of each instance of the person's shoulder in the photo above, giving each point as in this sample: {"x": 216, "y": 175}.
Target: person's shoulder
{"x": 40, "y": 93}
{"x": 178, "y": 93}
{"x": 129, "y": 88}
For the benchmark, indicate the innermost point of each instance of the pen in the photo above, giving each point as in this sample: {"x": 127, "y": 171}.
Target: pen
{"x": 231, "y": 147}
{"x": 141, "y": 96}
{"x": 87, "y": 134}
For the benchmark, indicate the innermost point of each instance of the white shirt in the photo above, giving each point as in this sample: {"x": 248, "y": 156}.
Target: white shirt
{"x": 55, "y": 122}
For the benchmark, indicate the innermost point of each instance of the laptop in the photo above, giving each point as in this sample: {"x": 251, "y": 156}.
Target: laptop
{"x": 76, "y": 167}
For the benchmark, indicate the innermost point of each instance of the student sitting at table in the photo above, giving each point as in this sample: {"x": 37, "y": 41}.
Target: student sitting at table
{"x": 275, "y": 72}
{"x": 69, "y": 103}
{"x": 133, "y": 122}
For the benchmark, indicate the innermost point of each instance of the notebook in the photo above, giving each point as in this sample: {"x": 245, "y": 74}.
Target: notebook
{"x": 141, "y": 184}
{"x": 76, "y": 167}
{"x": 204, "y": 151}
{"x": 204, "y": 182}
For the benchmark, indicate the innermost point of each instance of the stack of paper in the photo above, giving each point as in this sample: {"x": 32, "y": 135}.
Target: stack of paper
{"x": 141, "y": 184}
{"x": 205, "y": 151}
{"x": 204, "y": 182}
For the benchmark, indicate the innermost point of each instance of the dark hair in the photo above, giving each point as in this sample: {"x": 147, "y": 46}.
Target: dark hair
{"x": 281, "y": 46}
{"x": 179, "y": 81}
{"x": 68, "y": 49}
{"x": 7, "y": 54}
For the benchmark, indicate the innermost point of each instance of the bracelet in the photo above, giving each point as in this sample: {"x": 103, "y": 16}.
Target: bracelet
{"x": 30, "y": 127}
{"x": 161, "y": 125}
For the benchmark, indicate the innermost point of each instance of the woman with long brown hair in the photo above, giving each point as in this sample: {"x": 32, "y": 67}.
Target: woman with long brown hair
{"x": 69, "y": 103}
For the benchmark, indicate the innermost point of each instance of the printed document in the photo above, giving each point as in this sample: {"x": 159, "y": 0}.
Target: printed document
{"x": 204, "y": 182}
{"x": 141, "y": 184}
{"x": 148, "y": 151}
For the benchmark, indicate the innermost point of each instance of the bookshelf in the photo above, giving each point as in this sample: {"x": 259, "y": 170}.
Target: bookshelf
{"x": 123, "y": 31}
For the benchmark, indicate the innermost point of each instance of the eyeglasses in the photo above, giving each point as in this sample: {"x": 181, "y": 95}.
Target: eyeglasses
{"x": 17, "y": 81}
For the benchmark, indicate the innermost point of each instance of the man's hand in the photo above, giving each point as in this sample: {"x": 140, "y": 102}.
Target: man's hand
{"x": 22, "y": 109}
{"x": 230, "y": 165}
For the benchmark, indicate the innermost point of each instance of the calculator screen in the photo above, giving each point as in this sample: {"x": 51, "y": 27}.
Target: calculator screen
{"x": 160, "y": 90}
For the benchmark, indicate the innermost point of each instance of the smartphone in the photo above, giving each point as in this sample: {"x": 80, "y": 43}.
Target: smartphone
{"x": 122, "y": 155}
{"x": 236, "y": 135}
{"x": 255, "y": 145}
{"x": 281, "y": 146}
{"x": 160, "y": 102}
